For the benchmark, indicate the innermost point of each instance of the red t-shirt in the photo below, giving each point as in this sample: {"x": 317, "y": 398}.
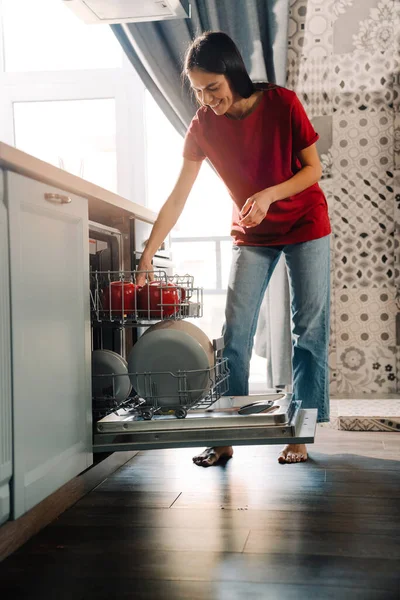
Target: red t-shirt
{"x": 258, "y": 152}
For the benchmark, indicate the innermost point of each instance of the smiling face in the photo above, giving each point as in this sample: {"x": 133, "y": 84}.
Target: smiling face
{"x": 212, "y": 90}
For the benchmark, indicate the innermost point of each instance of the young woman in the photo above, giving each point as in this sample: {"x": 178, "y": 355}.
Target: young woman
{"x": 262, "y": 145}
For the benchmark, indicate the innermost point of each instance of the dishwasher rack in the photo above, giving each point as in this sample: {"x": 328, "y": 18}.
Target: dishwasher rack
{"x": 129, "y": 424}
{"x": 187, "y": 302}
{"x": 178, "y": 405}
{"x": 188, "y": 298}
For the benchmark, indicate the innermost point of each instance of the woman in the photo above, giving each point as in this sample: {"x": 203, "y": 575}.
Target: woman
{"x": 262, "y": 145}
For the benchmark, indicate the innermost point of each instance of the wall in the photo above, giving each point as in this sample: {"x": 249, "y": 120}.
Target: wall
{"x": 344, "y": 62}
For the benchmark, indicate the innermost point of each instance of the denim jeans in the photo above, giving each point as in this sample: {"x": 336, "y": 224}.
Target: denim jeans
{"x": 308, "y": 269}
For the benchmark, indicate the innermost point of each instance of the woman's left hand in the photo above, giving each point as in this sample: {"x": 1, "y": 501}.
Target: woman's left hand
{"x": 255, "y": 209}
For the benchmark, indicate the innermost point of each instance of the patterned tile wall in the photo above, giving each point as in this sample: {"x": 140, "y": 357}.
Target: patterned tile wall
{"x": 344, "y": 63}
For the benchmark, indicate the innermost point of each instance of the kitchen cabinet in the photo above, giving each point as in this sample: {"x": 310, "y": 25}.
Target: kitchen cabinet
{"x": 5, "y": 365}
{"x": 50, "y": 336}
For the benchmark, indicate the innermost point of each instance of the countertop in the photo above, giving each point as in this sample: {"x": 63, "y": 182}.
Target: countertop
{"x": 104, "y": 206}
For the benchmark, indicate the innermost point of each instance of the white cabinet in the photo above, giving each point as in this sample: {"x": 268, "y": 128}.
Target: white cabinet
{"x": 50, "y": 331}
{"x": 5, "y": 365}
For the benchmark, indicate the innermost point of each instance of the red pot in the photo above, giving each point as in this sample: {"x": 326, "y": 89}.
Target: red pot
{"x": 158, "y": 299}
{"x": 118, "y": 290}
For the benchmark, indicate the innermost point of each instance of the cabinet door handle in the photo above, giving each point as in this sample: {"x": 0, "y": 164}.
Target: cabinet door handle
{"x": 57, "y": 198}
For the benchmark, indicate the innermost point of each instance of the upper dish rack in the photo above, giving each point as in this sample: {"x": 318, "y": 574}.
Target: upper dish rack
{"x": 116, "y": 298}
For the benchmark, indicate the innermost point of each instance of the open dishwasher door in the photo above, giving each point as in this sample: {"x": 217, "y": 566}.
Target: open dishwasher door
{"x": 175, "y": 408}
{"x": 253, "y": 420}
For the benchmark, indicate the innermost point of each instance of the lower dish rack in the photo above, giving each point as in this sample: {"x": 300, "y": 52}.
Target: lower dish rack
{"x": 155, "y": 402}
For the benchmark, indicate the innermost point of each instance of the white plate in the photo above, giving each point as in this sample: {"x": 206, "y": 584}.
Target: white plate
{"x": 163, "y": 353}
{"x": 106, "y": 362}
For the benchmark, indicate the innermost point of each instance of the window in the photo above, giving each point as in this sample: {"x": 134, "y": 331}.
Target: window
{"x": 44, "y": 35}
{"x": 208, "y": 209}
{"x": 163, "y": 154}
{"x": 69, "y": 95}
{"x": 67, "y": 135}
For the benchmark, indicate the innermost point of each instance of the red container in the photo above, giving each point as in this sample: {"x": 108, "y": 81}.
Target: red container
{"x": 182, "y": 293}
{"x": 158, "y": 299}
{"x": 118, "y": 290}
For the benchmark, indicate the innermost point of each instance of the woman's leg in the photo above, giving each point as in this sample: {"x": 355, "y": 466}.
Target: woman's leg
{"x": 251, "y": 270}
{"x": 308, "y": 267}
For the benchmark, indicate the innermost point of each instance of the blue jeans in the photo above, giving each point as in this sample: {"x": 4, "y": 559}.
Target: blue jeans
{"x": 308, "y": 269}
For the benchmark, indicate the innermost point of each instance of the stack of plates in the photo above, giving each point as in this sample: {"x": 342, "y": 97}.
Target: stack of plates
{"x": 167, "y": 348}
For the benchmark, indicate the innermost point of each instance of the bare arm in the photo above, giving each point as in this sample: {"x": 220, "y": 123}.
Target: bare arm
{"x": 256, "y": 207}
{"x": 309, "y": 174}
{"x": 169, "y": 214}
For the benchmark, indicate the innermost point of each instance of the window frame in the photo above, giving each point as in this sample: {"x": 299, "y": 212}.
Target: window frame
{"x": 217, "y": 239}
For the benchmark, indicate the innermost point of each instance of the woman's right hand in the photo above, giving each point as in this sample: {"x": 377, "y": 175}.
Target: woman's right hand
{"x": 144, "y": 265}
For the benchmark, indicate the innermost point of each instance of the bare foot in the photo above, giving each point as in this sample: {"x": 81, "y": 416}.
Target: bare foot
{"x": 293, "y": 453}
{"x": 211, "y": 456}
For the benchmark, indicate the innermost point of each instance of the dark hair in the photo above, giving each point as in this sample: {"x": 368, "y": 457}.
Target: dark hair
{"x": 216, "y": 52}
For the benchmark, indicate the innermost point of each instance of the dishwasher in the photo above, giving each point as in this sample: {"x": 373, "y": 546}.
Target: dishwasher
{"x": 140, "y": 421}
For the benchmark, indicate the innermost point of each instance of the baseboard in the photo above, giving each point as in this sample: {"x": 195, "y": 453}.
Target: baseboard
{"x": 13, "y": 534}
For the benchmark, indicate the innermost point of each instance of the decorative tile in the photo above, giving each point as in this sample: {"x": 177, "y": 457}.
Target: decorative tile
{"x": 363, "y": 80}
{"x": 366, "y": 370}
{"x": 396, "y": 76}
{"x": 396, "y": 140}
{"x": 332, "y": 325}
{"x": 310, "y": 28}
{"x": 344, "y": 64}
{"x": 366, "y": 261}
{"x": 396, "y": 101}
{"x": 323, "y": 126}
{"x": 326, "y": 163}
{"x": 366, "y": 318}
{"x": 397, "y": 260}
{"x": 396, "y": 191}
{"x": 332, "y": 372}
{"x": 332, "y": 340}
{"x": 377, "y": 32}
{"x": 398, "y": 369}
{"x": 364, "y": 201}
{"x": 363, "y": 140}
{"x": 327, "y": 187}
{"x": 364, "y": 25}
{"x": 311, "y": 78}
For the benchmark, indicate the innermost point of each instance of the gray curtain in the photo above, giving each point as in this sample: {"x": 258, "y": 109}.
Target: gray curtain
{"x": 156, "y": 50}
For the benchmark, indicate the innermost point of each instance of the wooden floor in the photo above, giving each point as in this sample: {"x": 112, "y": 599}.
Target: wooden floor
{"x": 162, "y": 528}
